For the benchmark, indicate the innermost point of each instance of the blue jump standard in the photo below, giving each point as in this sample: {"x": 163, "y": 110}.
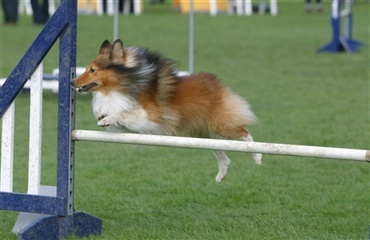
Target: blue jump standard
{"x": 340, "y": 43}
{"x": 53, "y": 227}
{"x": 62, "y": 220}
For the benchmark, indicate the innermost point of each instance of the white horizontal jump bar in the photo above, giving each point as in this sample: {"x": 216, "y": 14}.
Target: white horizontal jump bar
{"x": 225, "y": 145}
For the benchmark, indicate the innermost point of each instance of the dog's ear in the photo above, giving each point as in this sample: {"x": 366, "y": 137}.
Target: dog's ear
{"x": 118, "y": 52}
{"x": 105, "y": 48}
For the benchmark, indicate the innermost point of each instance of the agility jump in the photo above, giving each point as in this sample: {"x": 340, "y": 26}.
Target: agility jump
{"x": 245, "y": 7}
{"x": 342, "y": 36}
{"x": 58, "y": 218}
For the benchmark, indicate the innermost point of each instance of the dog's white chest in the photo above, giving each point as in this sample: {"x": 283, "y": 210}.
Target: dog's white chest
{"x": 112, "y": 103}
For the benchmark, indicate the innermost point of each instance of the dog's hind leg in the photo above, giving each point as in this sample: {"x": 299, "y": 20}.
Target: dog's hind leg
{"x": 223, "y": 162}
{"x": 256, "y": 156}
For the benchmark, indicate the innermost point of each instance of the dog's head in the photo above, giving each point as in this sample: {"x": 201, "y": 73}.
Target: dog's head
{"x": 101, "y": 73}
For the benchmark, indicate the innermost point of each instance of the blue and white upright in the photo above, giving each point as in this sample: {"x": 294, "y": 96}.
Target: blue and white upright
{"x": 46, "y": 212}
{"x": 342, "y": 33}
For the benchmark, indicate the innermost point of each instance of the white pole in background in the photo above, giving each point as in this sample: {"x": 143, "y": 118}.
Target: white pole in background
{"x": 347, "y": 12}
{"x": 213, "y": 7}
{"x": 273, "y": 7}
{"x": 239, "y": 7}
{"x": 110, "y": 7}
{"x": 137, "y": 7}
{"x": 115, "y": 20}
{"x": 248, "y": 7}
{"x": 191, "y": 37}
{"x": 335, "y": 9}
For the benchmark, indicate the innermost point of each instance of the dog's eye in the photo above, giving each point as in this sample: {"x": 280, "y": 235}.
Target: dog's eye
{"x": 91, "y": 70}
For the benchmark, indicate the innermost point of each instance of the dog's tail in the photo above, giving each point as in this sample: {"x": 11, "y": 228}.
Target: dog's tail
{"x": 233, "y": 116}
{"x": 242, "y": 109}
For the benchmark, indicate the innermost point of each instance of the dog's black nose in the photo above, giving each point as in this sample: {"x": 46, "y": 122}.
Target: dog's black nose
{"x": 73, "y": 82}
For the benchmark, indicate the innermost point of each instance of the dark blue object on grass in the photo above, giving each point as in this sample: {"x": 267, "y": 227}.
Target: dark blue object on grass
{"x": 61, "y": 219}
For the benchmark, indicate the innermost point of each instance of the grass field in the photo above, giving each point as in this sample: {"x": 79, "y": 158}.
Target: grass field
{"x": 300, "y": 97}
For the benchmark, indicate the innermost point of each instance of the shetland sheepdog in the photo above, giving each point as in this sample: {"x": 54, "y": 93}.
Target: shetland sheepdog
{"x": 139, "y": 91}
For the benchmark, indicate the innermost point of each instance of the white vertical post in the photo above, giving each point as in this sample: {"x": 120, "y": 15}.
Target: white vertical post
{"x": 51, "y": 7}
{"x": 126, "y": 7}
{"x": 99, "y": 7}
{"x": 347, "y": 26}
{"x": 191, "y": 37}
{"x": 239, "y": 7}
{"x": 34, "y": 162}
{"x": 248, "y": 7}
{"x": 110, "y": 7}
{"x": 213, "y": 7}
{"x": 25, "y": 6}
{"x": 262, "y": 7}
{"x": 7, "y": 150}
{"x": 273, "y": 7}
{"x": 335, "y": 9}
{"x": 137, "y": 7}
{"x": 115, "y": 20}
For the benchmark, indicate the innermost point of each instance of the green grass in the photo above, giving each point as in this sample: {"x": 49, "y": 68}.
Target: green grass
{"x": 300, "y": 97}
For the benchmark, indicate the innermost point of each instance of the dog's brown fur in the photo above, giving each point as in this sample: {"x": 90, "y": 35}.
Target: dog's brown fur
{"x": 139, "y": 91}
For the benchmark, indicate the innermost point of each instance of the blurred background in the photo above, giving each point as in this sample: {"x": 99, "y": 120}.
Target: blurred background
{"x": 268, "y": 55}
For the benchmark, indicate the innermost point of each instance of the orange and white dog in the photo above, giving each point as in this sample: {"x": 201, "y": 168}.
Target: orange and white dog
{"x": 137, "y": 90}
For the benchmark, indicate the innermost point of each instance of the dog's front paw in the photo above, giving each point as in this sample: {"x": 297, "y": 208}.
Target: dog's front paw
{"x": 101, "y": 116}
{"x": 105, "y": 122}
{"x": 257, "y": 158}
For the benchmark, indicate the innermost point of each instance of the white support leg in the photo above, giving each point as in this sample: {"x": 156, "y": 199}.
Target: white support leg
{"x": 126, "y": 7}
{"x": 137, "y": 7}
{"x": 213, "y": 7}
{"x": 25, "y": 7}
{"x": 51, "y": 7}
{"x": 110, "y": 7}
{"x": 273, "y": 7}
{"x": 347, "y": 24}
{"x": 248, "y": 7}
{"x": 335, "y": 9}
{"x": 34, "y": 167}
{"x": 99, "y": 7}
{"x": 239, "y": 7}
{"x": 262, "y": 7}
{"x": 7, "y": 150}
